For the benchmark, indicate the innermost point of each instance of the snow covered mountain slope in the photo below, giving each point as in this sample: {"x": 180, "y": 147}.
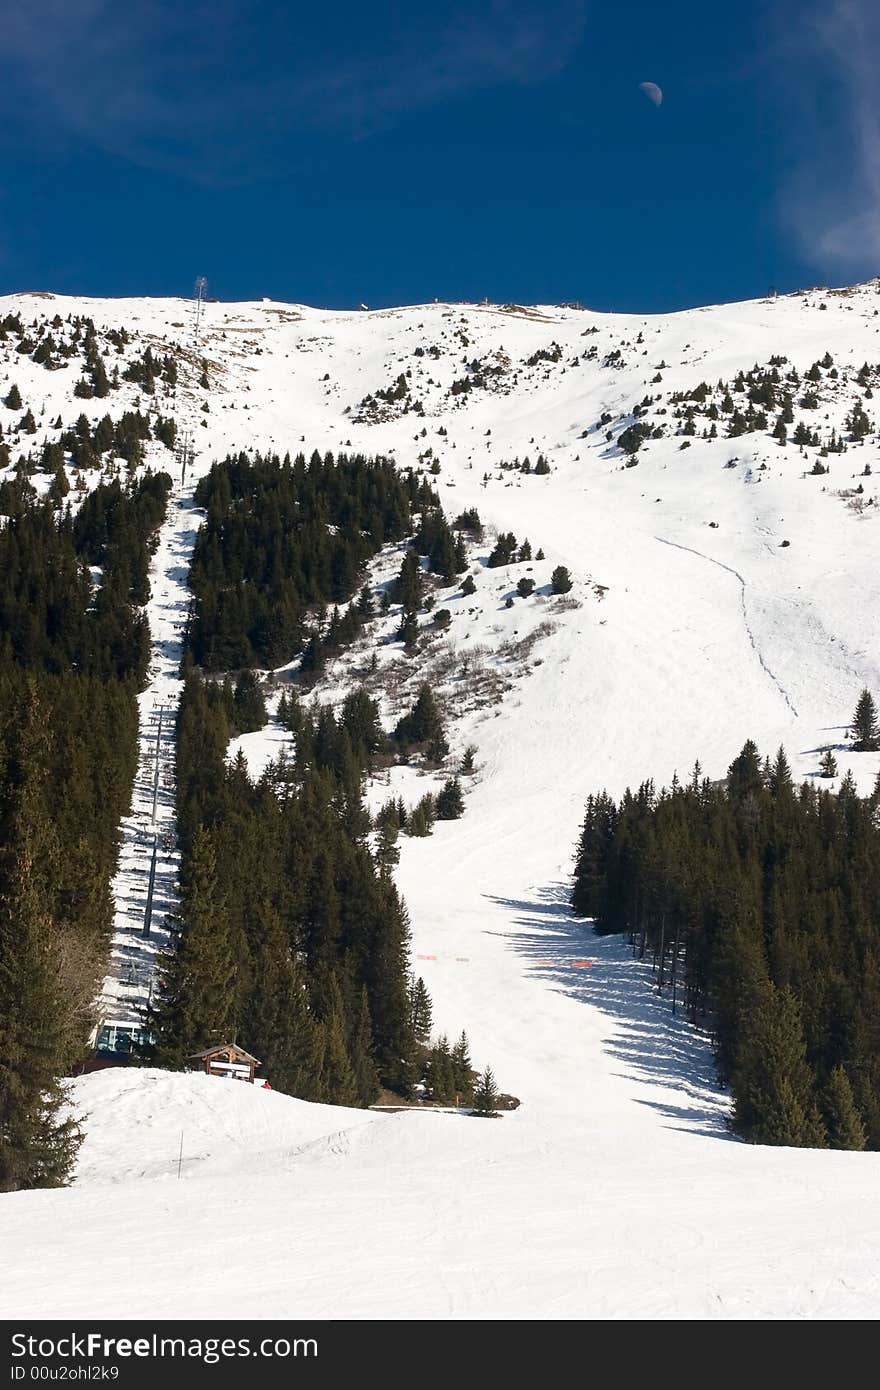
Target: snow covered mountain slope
{"x": 612, "y": 1192}
{"x": 614, "y": 1189}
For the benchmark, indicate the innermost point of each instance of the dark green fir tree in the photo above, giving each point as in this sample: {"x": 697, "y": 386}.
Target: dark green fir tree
{"x": 865, "y": 728}
{"x": 842, "y": 1118}
{"x": 485, "y": 1094}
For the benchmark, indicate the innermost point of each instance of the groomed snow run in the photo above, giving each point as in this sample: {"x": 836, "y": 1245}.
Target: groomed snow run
{"x": 613, "y": 1192}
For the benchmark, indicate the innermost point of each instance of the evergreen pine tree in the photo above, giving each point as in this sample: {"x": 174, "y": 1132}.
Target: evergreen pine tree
{"x": 200, "y": 1004}
{"x": 58, "y": 488}
{"x": 593, "y": 856}
{"x": 280, "y": 1029}
{"x": 386, "y": 980}
{"x": 504, "y": 550}
{"x": 462, "y": 1071}
{"x": 468, "y": 759}
{"x": 866, "y": 731}
{"x": 100, "y": 384}
{"x": 421, "y": 819}
{"x": 844, "y": 1124}
{"x": 305, "y": 1044}
{"x": 450, "y": 802}
{"x": 420, "y": 1009}
{"x": 361, "y": 1050}
{"x": 485, "y": 1094}
{"x": 249, "y": 706}
{"x": 423, "y": 723}
{"x": 387, "y": 849}
{"x": 340, "y": 1085}
{"x": 321, "y": 918}
{"x": 45, "y": 991}
{"x": 440, "y": 1072}
{"x": 409, "y": 583}
{"x": 38, "y": 1143}
{"x": 828, "y": 764}
{"x": 780, "y": 780}
{"x": 408, "y": 632}
{"x": 744, "y": 778}
{"x": 359, "y": 716}
{"x": 774, "y": 1100}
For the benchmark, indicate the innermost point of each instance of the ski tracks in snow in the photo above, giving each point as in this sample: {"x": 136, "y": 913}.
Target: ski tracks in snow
{"x": 742, "y": 594}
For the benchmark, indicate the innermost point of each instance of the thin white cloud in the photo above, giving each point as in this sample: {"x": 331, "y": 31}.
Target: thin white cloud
{"x": 833, "y": 203}
{"x": 186, "y": 88}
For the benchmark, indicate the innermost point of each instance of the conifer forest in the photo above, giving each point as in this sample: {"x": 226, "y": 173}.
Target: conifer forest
{"x": 758, "y": 903}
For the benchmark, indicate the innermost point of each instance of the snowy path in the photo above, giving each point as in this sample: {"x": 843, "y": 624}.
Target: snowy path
{"x": 135, "y": 951}
{"x": 710, "y": 559}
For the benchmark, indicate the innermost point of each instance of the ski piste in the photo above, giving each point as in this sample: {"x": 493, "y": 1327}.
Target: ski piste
{"x": 145, "y": 886}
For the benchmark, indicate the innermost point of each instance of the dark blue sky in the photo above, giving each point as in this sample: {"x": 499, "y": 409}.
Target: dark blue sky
{"x": 345, "y": 152}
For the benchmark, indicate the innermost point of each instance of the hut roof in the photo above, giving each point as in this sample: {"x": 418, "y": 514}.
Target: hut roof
{"x": 222, "y": 1047}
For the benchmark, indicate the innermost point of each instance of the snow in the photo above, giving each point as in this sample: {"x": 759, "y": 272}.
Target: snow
{"x": 229, "y": 1128}
{"x": 612, "y": 1192}
{"x": 615, "y": 1189}
{"x": 134, "y": 957}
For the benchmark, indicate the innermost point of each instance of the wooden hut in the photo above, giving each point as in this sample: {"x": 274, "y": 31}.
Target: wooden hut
{"x": 225, "y": 1059}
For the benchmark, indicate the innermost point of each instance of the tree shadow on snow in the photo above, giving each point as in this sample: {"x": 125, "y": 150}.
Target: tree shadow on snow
{"x": 654, "y": 1047}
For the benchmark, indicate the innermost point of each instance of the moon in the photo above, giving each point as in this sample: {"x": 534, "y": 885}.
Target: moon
{"x": 652, "y": 92}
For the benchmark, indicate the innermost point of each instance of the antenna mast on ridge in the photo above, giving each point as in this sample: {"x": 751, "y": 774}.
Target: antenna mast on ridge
{"x": 200, "y": 286}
